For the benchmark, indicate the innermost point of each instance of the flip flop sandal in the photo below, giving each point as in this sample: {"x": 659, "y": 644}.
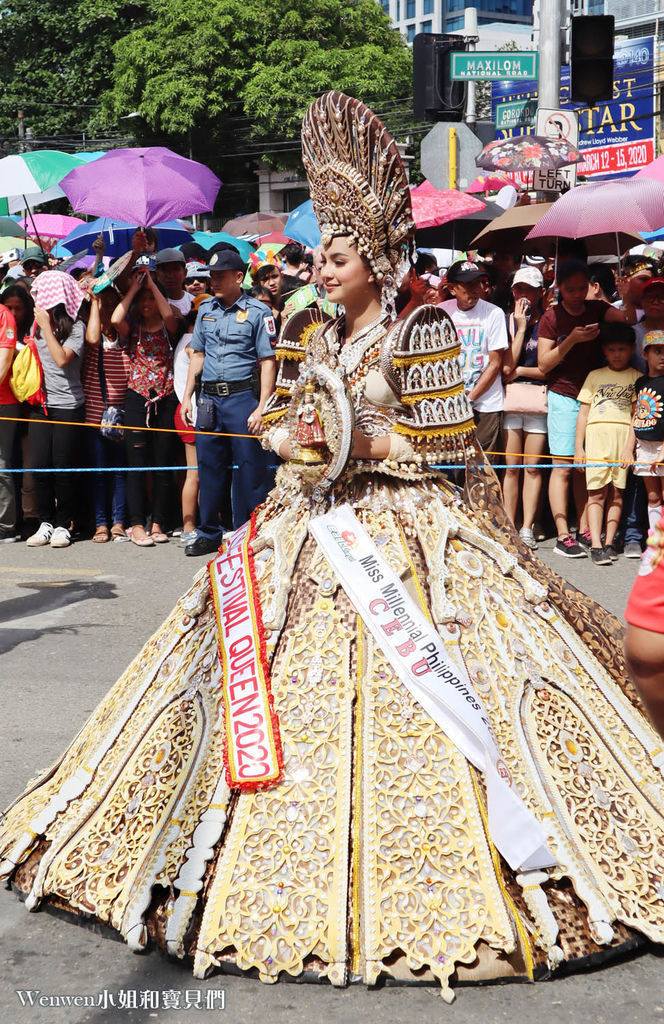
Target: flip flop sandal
{"x": 118, "y": 533}
{"x": 100, "y": 535}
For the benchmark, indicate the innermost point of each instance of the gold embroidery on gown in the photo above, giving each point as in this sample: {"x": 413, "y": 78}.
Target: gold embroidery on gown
{"x": 372, "y": 856}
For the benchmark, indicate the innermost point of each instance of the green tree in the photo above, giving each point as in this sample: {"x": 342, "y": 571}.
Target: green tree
{"x": 239, "y": 74}
{"x": 55, "y": 62}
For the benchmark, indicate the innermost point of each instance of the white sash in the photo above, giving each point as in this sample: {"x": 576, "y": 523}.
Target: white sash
{"x": 252, "y": 750}
{"x": 417, "y": 654}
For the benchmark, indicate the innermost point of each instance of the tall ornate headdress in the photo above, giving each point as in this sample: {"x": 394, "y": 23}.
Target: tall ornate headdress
{"x": 358, "y": 185}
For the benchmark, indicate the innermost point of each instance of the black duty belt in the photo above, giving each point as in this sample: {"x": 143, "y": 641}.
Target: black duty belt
{"x": 226, "y": 387}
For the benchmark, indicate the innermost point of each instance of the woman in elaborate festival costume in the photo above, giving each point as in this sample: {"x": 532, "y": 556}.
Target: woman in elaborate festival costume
{"x": 378, "y": 737}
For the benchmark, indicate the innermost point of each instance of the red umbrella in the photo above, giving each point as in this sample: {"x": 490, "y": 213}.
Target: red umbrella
{"x": 255, "y": 224}
{"x": 433, "y": 207}
{"x": 491, "y": 182}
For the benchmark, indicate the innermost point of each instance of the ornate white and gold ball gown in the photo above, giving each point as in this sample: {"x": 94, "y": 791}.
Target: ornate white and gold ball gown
{"x": 365, "y": 844}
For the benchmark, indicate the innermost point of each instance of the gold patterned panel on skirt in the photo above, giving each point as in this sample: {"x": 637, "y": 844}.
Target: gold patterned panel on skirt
{"x": 613, "y": 826}
{"x": 97, "y": 867}
{"x": 428, "y": 884}
{"x": 279, "y": 890}
{"x": 124, "y": 711}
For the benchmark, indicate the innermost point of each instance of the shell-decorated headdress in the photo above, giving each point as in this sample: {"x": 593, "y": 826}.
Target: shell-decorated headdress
{"x": 358, "y": 182}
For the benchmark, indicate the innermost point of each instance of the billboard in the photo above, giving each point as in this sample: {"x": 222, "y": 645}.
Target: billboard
{"x": 618, "y": 135}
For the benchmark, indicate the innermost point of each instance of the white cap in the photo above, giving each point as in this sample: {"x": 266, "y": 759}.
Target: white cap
{"x": 11, "y": 256}
{"x": 530, "y": 276}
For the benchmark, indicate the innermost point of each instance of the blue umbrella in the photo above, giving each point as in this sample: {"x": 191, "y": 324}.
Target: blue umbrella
{"x": 302, "y": 225}
{"x": 209, "y": 238}
{"x": 117, "y": 235}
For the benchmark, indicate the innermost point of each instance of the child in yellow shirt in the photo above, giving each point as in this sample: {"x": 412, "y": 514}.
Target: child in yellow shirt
{"x": 603, "y": 426}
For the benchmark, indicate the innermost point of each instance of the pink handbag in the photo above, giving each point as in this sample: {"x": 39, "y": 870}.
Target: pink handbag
{"x": 526, "y": 399}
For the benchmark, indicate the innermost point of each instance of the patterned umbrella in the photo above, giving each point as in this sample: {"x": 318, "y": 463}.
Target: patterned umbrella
{"x": 526, "y": 153}
{"x": 605, "y": 207}
{"x": 433, "y": 207}
{"x": 27, "y": 179}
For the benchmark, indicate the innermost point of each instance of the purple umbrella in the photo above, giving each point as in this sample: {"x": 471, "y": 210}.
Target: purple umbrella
{"x": 142, "y": 186}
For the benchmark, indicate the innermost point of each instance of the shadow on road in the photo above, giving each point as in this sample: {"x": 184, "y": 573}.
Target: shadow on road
{"x": 44, "y": 599}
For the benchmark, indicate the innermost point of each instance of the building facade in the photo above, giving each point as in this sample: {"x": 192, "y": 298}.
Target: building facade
{"x": 412, "y": 16}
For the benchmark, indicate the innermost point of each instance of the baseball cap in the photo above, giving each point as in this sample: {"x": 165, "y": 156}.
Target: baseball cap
{"x": 197, "y": 270}
{"x": 169, "y": 256}
{"x": 33, "y": 254}
{"x": 653, "y": 281}
{"x": 464, "y": 270}
{"x": 530, "y": 276}
{"x": 227, "y": 259}
{"x": 653, "y": 338}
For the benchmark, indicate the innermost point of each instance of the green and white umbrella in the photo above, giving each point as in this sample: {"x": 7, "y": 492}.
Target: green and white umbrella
{"x": 28, "y": 179}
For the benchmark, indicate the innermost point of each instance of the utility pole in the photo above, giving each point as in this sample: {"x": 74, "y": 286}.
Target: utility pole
{"x": 471, "y": 35}
{"x": 549, "y": 47}
{"x": 21, "y": 132}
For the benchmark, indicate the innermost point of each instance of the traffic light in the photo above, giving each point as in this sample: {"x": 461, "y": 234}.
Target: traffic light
{"x": 435, "y": 96}
{"x": 591, "y": 58}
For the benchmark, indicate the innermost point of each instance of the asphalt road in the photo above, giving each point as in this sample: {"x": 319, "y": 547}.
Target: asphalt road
{"x": 70, "y": 620}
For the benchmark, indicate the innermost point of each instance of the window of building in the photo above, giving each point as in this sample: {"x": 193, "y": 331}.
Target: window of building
{"x": 426, "y": 26}
{"x": 427, "y": 6}
{"x": 398, "y": 11}
{"x": 410, "y": 33}
{"x": 410, "y": 8}
{"x": 385, "y": 4}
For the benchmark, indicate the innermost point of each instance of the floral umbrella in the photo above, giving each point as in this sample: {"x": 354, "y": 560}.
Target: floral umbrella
{"x": 527, "y": 153}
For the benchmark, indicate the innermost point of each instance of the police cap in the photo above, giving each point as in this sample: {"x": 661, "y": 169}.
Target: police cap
{"x": 227, "y": 259}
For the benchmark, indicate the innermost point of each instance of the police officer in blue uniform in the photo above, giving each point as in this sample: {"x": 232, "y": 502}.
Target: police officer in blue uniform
{"x": 234, "y": 334}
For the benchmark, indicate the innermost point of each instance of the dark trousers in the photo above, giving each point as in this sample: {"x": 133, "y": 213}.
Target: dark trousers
{"x": 634, "y": 521}
{"x": 56, "y": 445}
{"x": 106, "y": 454}
{"x": 219, "y": 456}
{"x": 7, "y": 434}
{"x": 145, "y": 448}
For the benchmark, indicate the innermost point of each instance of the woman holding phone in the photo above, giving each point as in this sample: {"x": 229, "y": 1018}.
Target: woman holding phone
{"x": 145, "y": 320}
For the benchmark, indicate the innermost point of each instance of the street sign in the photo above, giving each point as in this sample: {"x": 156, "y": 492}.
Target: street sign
{"x": 477, "y": 65}
{"x": 557, "y": 124}
{"x": 448, "y": 140}
{"x": 519, "y": 114}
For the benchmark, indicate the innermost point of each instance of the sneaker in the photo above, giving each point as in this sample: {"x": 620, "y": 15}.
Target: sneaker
{"x": 584, "y": 539}
{"x": 632, "y": 549}
{"x": 61, "y": 537}
{"x": 611, "y": 552}
{"x": 599, "y": 556}
{"x": 186, "y": 535}
{"x": 528, "y": 538}
{"x": 42, "y": 537}
{"x": 9, "y": 537}
{"x": 569, "y": 548}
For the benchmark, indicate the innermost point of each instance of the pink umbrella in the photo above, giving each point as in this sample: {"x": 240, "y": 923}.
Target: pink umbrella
{"x": 604, "y": 207}
{"x": 491, "y": 182}
{"x": 653, "y": 170}
{"x": 433, "y": 207}
{"x": 50, "y": 225}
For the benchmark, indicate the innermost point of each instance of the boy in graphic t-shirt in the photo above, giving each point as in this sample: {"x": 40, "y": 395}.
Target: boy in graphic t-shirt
{"x": 605, "y": 414}
{"x": 648, "y": 426}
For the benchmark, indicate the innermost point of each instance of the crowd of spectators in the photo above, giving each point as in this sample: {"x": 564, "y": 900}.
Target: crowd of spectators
{"x": 563, "y": 363}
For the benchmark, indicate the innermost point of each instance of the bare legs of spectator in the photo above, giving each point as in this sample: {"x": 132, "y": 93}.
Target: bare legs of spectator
{"x": 654, "y": 490}
{"x": 533, "y": 446}
{"x": 644, "y": 652}
{"x": 611, "y": 498}
{"x": 559, "y": 484}
{"x": 190, "y": 490}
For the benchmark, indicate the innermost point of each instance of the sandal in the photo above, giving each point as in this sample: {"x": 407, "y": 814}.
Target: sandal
{"x": 158, "y": 537}
{"x": 100, "y": 535}
{"x": 141, "y": 542}
{"x": 118, "y": 533}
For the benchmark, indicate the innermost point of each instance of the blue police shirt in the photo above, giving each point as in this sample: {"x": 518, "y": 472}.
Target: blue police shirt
{"x": 233, "y": 338}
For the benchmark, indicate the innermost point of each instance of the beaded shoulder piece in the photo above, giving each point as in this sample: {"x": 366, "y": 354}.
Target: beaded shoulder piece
{"x": 292, "y": 346}
{"x": 420, "y": 360}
